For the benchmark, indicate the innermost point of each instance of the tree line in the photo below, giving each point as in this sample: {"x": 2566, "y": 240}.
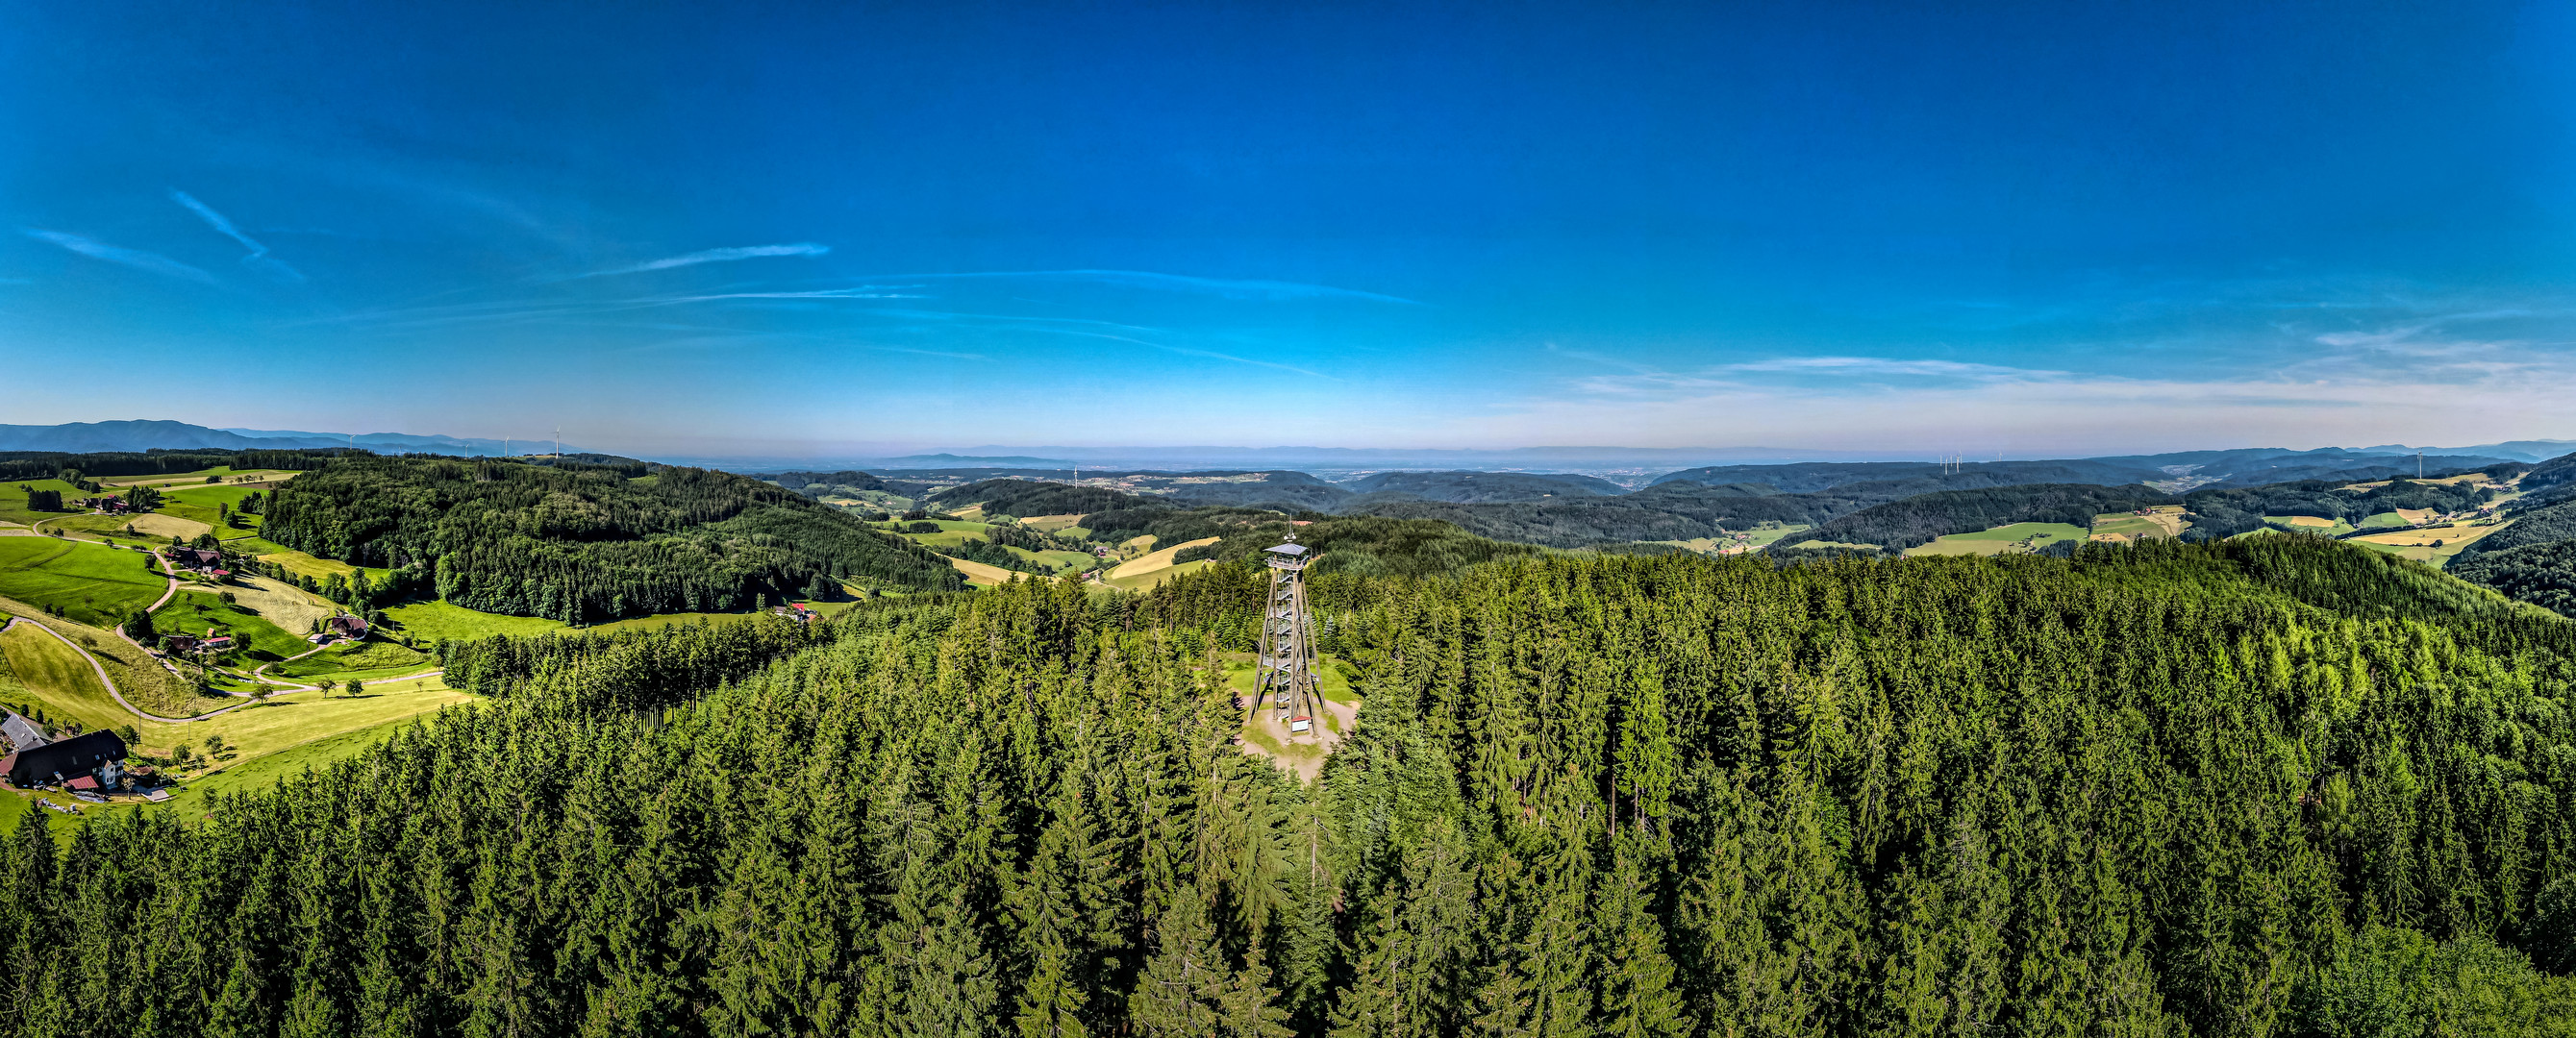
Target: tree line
{"x": 2240, "y": 789}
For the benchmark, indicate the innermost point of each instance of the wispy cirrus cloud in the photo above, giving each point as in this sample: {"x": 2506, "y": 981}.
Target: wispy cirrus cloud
{"x": 150, "y": 262}
{"x": 1231, "y": 288}
{"x": 692, "y": 259}
{"x": 258, "y": 257}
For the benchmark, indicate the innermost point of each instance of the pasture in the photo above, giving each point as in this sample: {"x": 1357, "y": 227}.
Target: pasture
{"x": 90, "y": 583}
{"x": 980, "y": 574}
{"x": 1849, "y": 545}
{"x": 205, "y": 504}
{"x": 196, "y": 612}
{"x": 13, "y": 500}
{"x": 151, "y": 529}
{"x": 1069, "y": 525}
{"x": 2310, "y": 524}
{"x": 2162, "y": 522}
{"x": 225, "y": 473}
{"x": 2431, "y": 544}
{"x": 2384, "y": 521}
{"x": 432, "y": 622}
{"x": 2015, "y": 537}
{"x": 952, "y": 532}
{"x": 299, "y": 563}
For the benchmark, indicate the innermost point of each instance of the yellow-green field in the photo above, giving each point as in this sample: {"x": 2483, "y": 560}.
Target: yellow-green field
{"x": 981, "y": 574}
{"x": 2384, "y": 521}
{"x": 1155, "y": 567}
{"x": 299, "y": 563}
{"x": 151, "y": 529}
{"x": 1834, "y": 544}
{"x": 2433, "y": 544}
{"x": 2310, "y": 524}
{"x": 1068, "y": 525}
{"x": 198, "y": 478}
{"x": 205, "y": 505}
{"x": 431, "y": 622}
{"x": 2162, "y": 522}
{"x": 1999, "y": 540}
{"x": 91, "y": 583}
{"x": 13, "y": 499}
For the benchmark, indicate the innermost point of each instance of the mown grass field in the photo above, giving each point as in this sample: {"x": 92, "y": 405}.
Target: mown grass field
{"x": 2437, "y": 545}
{"x": 1069, "y": 525}
{"x": 2161, "y": 522}
{"x": 205, "y": 504}
{"x": 981, "y": 574}
{"x": 1835, "y": 544}
{"x": 198, "y": 478}
{"x": 62, "y": 683}
{"x": 2310, "y": 524}
{"x": 363, "y": 660}
{"x": 267, "y": 744}
{"x": 13, "y": 500}
{"x": 299, "y": 563}
{"x": 952, "y": 532}
{"x": 2013, "y": 537}
{"x": 196, "y": 612}
{"x": 2384, "y": 521}
{"x": 151, "y": 529}
{"x": 1155, "y": 567}
{"x": 433, "y": 622}
{"x": 91, "y": 583}
{"x": 1766, "y": 535}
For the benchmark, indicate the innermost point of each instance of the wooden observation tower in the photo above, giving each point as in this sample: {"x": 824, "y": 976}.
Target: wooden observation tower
{"x": 1286, "y": 676}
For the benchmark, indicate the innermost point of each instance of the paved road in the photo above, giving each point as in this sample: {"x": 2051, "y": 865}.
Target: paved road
{"x": 109, "y": 682}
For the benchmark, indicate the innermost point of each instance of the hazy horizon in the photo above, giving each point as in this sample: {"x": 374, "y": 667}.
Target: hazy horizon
{"x": 780, "y": 231}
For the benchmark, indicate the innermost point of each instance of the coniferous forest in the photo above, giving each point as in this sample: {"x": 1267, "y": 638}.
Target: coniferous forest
{"x": 2268, "y": 787}
{"x": 578, "y": 542}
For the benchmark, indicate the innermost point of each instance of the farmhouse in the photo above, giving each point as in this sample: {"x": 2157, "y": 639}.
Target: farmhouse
{"x": 109, "y": 505}
{"x": 194, "y": 558}
{"x": 81, "y": 756}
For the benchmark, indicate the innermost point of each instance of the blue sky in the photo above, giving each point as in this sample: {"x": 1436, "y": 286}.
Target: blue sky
{"x": 2039, "y": 229}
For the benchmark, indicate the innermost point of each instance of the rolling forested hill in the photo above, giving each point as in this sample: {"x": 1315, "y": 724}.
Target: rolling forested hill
{"x": 2276, "y": 786}
{"x": 1478, "y": 487}
{"x": 1919, "y": 519}
{"x": 577, "y": 542}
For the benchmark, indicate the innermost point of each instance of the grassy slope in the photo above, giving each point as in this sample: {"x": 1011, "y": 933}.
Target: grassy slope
{"x": 57, "y": 679}
{"x": 368, "y": 659}
{"x": 299, "y": 563}
{"x": 432, "y": 622}
{"x": 200, "y": 504}
{"x": 1997, "y": 540}
{"x": 13, "y": 501}
{"x": 1154, "y": 567}
{"x": 93, "y": 584}
{"x": 193, "y": 612}
{"x": 197, "y": 478}
{"x": 980, "y": 574}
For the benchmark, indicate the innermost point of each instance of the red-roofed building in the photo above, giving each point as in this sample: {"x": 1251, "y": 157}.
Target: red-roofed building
{"x": 84, "y": 782}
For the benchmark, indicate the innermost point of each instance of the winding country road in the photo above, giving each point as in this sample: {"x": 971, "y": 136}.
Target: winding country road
{"x": 110, "y": 683}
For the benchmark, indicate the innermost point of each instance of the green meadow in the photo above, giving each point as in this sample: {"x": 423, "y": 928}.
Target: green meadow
{"x": 89, "y": 583}
{"x": 2001, "y": 539}
{"x": 429, "y": 623}
{"x": 196, "y": 612}
{"x": 13, "y": 500}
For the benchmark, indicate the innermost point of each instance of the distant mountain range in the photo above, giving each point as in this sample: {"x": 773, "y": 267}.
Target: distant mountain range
{"x": 1628, "y": 465}
{"x": 144, "y": 435}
